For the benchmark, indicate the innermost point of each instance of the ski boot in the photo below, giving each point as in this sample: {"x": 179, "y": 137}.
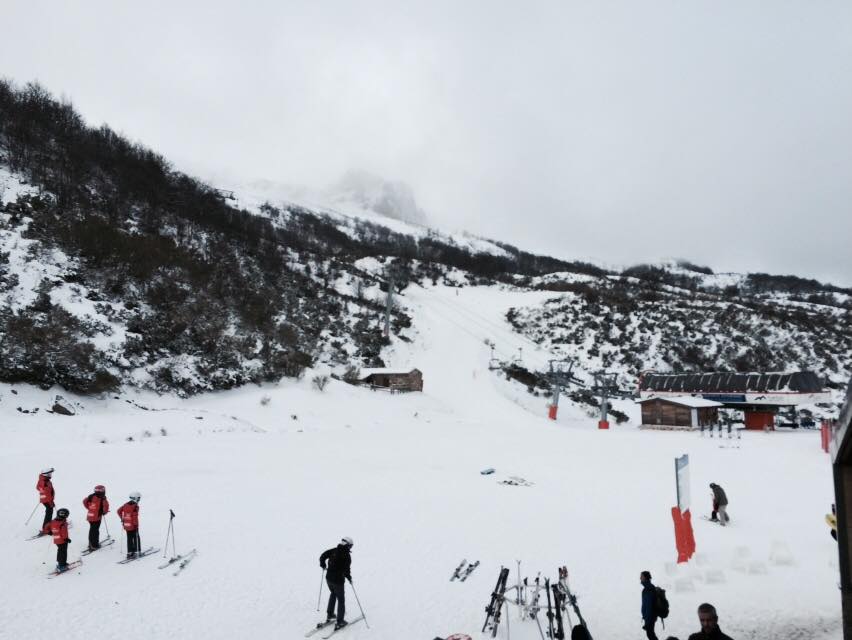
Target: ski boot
{"x": 61, "y": 568}
{"x": 340, "y": 625}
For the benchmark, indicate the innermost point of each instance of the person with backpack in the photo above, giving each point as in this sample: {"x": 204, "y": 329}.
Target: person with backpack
{"x": 46, "y": 496}
{"x": 720, "y": 504}
{"x": 709, "y": 624}
{"x": 654, "y": 604}
{"x": 97, "y": 506}
{"x": 58, "y": 527}
{"x": 129, "y": 514}
{"x": 339, "y": 561}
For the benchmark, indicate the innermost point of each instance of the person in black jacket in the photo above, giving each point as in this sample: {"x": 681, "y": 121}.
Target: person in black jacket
{"x": 720, "y": 504}
{"x": 339, "y": 563}
{"x": 709, "y": 624}
{"x": 649, "y": 605}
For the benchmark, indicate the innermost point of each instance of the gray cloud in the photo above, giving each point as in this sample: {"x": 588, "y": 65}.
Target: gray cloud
{"x": 614, "y": 131}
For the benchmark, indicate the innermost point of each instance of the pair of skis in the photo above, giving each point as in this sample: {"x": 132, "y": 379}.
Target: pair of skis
{"x": 181, "y": 561}
{"x": 67, "y": 569}
{"x": 106, "y": 542}
{"x": 495, "y": 607}
{"x": 461, "y": 573}
{"x": 139, "y": 555}
{"x": 324, "y": 625}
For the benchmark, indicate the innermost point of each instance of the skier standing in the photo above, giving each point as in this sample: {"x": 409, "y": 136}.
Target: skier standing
{"x": 96, "y": 506}
{"x": 46, "y": 496}
{"x": 720, "y": 504}
{"x": 339, "y": 561}
{"x": 129, "y": 514}
{"x": 59, "y": 528}
{"x": 649, "y": 605}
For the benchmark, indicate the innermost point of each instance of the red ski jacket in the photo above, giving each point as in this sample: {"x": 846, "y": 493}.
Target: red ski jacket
{"x": 59, "y": 529}
{"x": 129, "y": 514}
{"x": 96, "y": 507}
{"x": 45, "y": 490}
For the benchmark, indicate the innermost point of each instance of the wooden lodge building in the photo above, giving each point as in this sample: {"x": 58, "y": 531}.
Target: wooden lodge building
{"x": 685, "y": 412}
{"x": 758, "y": 395}
{"x": 392, "y": 379}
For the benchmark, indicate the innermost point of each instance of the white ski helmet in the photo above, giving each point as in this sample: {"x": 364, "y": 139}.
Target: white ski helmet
{"x": 47, "y": 471}
{"x": 347, "y": 541}
{"x": 135, "y": 496}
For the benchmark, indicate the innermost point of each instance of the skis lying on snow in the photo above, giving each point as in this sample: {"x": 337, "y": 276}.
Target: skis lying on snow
{"x": 139, "y": 555}
{"x": 71, "y": 565}
{"x": 335, "y": 629}
{"x": 186, "y": 560}
{"x": 470, "y": 569}
{"x": 177, "y": 558}
{"x": 461, "y": 573}
{"x": 457, "y": 572}
{"x": 104, "y": 543}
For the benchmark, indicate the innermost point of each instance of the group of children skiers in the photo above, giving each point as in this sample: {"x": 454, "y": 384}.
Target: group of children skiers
{"x": 97, "y": 506}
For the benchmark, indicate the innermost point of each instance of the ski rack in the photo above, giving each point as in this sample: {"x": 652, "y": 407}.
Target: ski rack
{"x": 560, "y": 603}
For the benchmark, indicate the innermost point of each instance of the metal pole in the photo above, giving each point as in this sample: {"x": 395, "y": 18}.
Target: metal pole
{"x": 359, "y": 603}
{"x": 168, "y": 535}
{"x": 319, "y": 597}
{"x": 32, "y": 514}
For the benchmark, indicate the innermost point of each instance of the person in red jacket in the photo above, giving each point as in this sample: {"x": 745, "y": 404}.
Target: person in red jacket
{"x": 129, "y": 514}
{"x": 96, "y": 506}
{"x": 46, "y": 496}
{"x": 58, "y": 527}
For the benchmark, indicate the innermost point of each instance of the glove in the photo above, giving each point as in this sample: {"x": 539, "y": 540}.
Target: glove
{"x": 68, "y": 540}
{"x": 349, "y": 578}
{"x": 322, "y": 566}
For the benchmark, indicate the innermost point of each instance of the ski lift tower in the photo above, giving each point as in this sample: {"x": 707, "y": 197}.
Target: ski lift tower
{"x": 606, "y": 387}
{"x": 560, "y": 376}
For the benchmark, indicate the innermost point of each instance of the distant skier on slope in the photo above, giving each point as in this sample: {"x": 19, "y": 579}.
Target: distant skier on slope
{"x": 59, "y": 528}
{"x": 129, "y": 514}
{"x": 720, "y": 504}
{"x": 339, "y": 560}
{"x": 46, "y": 496}
{"x": 97, "y": 506}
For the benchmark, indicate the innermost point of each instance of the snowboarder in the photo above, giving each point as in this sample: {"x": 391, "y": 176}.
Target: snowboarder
{"x": 46, "y": 496}
{"x": 720, "y": 504}
{"x": 339, "y": 561}
{"x": 59, "y": 528}
{"x": 96, "y": 505}
{"x": 649, "y": 605}
{"x": 129, "y": 514}
{"x": 709, "y": 624}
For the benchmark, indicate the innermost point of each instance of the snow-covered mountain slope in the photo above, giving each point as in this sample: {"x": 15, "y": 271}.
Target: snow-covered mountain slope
{"x": 265, "y": 478}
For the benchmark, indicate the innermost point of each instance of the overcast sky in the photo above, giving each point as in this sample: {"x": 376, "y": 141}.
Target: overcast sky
{"x": 622, "y": 132}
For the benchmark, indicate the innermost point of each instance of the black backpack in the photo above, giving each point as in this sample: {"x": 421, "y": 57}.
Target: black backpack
{"x": 661, "y": 603}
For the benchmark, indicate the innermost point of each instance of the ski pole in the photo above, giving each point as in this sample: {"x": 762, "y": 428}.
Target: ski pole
{"x": 359, "y": 603}
{"x": 319, "y": 596}
{"x": 106, "y": 526}
{"x": 32, "y": 514}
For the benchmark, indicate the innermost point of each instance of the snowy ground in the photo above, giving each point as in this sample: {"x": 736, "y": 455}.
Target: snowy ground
{"x": 262, "y": 489}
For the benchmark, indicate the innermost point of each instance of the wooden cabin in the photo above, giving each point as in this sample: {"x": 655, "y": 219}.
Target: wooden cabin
{"x": 393, "y": 379}
{"x": 684, "y": 412}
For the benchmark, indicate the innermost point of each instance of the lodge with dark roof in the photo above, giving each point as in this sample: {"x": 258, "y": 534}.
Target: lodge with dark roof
{"x": 758, "y": 395}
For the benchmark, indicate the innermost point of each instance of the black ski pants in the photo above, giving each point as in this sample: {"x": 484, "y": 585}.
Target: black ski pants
{"x": 338, "y": 595}
{"x": 62, "y": 554}
{"x": 95, "y": 534}
{"x": 48, "y": 516}
{"x": 649, "y": 629}
{"x": 133, "y": 541}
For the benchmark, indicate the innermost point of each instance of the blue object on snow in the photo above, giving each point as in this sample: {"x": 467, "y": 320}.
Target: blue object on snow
{"x": 487, "y": 472}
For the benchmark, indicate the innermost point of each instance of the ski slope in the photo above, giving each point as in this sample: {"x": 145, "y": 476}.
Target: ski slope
{"x": 263, "y": 479}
